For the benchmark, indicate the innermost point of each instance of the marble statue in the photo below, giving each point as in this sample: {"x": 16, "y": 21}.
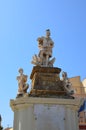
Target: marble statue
{"x": 45, "y": 45}
{"x": 22, "y": 85}
{"x": 67, "y": 84}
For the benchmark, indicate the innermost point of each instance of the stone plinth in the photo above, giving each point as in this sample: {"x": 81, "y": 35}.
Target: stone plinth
{"x": 39, "y": 69}
{"x": 31, "y": 113}
{"x": 46, "y": 80}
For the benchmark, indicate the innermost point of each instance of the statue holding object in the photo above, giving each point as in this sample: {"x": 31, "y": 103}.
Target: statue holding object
{"x": 45, "y": 45}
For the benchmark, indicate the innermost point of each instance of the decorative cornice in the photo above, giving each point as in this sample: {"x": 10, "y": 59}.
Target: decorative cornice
{"x": 24, "y": 102}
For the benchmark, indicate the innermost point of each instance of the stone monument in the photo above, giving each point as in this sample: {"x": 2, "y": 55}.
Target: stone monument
{"x": 50, "y": 105}
{"x": 45, "y": 78}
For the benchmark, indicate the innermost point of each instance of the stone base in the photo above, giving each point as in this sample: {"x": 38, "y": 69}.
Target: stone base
{"x": 50, "y": 94}
{"x": 53, "y": 70}
{"x": 32, "y": 113}
{"x": 46, "y": 80}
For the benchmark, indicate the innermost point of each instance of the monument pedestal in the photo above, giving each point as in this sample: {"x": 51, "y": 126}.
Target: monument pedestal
{"x": 46, "y": 82}
{"x": 48, "y": 106}
{"x": 35, "y": 113}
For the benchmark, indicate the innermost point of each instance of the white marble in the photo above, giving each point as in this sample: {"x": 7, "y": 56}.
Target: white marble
{"x": 22, "y": 85}
{"x": 49, "y": 117}
{"x": 67, "y": 84}
{"x": 45, "y": 45}
{"x": 45, "y": 113}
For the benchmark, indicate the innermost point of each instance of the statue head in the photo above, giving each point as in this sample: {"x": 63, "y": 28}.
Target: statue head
{"x": 64, "y": 75}
{"x": 47, "y": 32}
{"x": 21, "y": 71}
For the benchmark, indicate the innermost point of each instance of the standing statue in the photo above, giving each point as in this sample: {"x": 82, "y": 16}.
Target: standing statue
{"x": 22, "y": 85}
{"x": 67, "y": 84}
{"x": 45, "y": 45}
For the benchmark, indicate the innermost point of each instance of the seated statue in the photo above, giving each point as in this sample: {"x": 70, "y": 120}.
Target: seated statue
{"x": 22, "y": 85}
{"x": 67, "y": 84}
{"x": 45, "y": 45}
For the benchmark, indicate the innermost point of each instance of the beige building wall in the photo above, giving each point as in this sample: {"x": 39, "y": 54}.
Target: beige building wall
{"x": 77, "y": 84}
{"x": 82, "y": 117}
{"x": 84, "y": 84}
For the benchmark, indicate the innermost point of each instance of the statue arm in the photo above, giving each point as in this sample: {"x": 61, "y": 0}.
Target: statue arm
{"x": 40, "y": 40}
{"x": 51, "y": 44}
{"x": 25, "y": 78}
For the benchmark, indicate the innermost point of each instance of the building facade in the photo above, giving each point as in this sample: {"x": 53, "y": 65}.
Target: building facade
{"x": 80, "y": 88}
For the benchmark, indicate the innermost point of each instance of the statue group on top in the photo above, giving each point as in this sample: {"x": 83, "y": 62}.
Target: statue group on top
{"x": 45, "y": 45}
{"x": 43, "y": 59}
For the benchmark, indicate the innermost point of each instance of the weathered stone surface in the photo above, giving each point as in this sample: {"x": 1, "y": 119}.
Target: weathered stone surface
{"x": 43, "y": 81}
{"x": 34, "y": 113}
{"x": 48, "y": 93}
{"x": 46, "y": 82}
{"x": 46, "y": 79}
{"x": 37, "y": 69}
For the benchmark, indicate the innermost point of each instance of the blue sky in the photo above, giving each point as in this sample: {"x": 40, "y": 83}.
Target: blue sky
{"x": 21, "y": 22}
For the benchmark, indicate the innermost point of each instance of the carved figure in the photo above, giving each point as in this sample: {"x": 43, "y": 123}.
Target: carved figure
{"x": 45, "y": 45}
{"x": 67, "y": 84}
{"x": 22, "y": 85}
